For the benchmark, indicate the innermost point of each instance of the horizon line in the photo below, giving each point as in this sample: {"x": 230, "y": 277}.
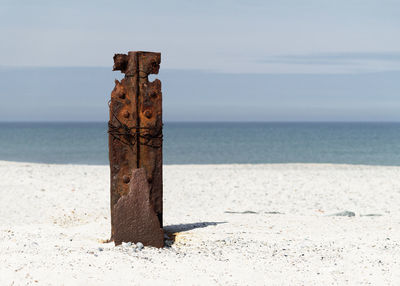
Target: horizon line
{"x": 221, "y": 121}
{"x": 210, "y": 71}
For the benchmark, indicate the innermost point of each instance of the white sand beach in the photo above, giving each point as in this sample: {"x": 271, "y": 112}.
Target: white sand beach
{"x": 268, "y": 224}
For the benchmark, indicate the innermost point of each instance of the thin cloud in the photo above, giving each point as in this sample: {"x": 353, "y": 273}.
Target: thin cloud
{"x": 351, "y": 58}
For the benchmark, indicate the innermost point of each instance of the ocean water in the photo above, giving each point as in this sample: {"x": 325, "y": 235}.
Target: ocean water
{"x": 212, "y": 143}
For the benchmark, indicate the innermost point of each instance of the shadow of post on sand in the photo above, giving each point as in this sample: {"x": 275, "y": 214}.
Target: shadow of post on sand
{"x": 171, "y": 231}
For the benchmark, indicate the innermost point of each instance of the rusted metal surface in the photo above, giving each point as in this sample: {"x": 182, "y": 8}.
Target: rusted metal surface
{"x": 134, "y": 217}
{"x": 135, "y": 128}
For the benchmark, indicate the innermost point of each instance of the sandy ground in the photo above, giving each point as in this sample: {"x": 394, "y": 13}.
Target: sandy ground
{"x": 235, "y": 224}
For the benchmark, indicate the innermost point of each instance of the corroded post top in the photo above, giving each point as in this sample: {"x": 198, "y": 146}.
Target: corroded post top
{"x": 150, "y": 62}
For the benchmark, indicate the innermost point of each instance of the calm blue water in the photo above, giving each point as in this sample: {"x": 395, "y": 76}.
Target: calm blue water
{"x": 212, "y": 143}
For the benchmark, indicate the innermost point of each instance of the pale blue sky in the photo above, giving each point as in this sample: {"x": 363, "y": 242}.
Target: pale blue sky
{"x": 229, "y": 36}
{"x": 283, "y": 60}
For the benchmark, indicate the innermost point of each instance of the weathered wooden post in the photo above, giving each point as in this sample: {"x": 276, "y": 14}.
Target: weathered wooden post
{"x": 135, "y": 151}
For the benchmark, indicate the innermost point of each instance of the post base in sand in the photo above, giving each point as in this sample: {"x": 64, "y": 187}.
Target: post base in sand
{"x": 134, "y": 217}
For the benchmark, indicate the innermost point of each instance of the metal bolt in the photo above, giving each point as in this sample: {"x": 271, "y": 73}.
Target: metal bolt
{"x": 148, "y": 113}
{"x": 126, "y": 179}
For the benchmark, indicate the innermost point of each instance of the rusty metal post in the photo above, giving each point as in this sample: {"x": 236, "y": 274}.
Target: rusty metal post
{"x": 135, "y": 141}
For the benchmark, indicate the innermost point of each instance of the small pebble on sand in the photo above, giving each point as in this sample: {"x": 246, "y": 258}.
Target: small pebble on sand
{"x": 344, "y": 213}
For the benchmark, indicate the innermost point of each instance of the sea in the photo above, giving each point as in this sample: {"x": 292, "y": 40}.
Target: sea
{"x": 369, "y": 143}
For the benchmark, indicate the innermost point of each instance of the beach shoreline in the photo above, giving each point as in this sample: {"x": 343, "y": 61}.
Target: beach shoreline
{"x": 236, "y": 224}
